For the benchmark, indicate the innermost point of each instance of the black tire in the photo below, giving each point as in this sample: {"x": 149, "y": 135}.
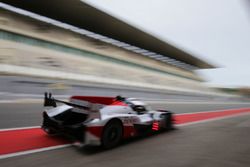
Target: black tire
{"x": 50, "y": 132}
{"x": 169, "y": 122}
{"x": 112, "y": 134}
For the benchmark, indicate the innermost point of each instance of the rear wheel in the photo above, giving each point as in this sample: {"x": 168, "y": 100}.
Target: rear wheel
{"x": 169, "y": 122}
{"x": 112, "y": 134}
{"x": 50, "y": 132}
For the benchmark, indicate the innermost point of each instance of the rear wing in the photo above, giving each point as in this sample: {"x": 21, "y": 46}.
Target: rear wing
{"x": 92, "y": 109}
{"x": 52, "y": 102}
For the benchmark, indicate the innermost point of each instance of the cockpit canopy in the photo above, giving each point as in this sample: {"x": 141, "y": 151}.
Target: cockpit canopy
{"x": 137, "y": 105}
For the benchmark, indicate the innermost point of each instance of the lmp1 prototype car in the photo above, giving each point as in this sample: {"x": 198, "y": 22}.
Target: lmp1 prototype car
{"x": 102, "y": 121}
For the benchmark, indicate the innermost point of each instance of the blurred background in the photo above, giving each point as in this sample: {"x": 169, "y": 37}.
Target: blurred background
{"x": 177, "y": 55}
{"x": 165, "y": 50}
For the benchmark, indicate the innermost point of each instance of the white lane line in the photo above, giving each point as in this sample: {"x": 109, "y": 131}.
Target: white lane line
{"x": 30, "y": 95}
{"x": 20, "y": 128}
{"x": 195, "y": 102}
{"x": 33, "y": 151}
{"x": 205, "y": 112}
{"x": 21, "y": 101}
{"x": 24, "y": 101}
{"x": 212, "y": 119}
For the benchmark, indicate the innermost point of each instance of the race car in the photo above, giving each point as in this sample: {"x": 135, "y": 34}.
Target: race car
{"x": 102, "y": 121}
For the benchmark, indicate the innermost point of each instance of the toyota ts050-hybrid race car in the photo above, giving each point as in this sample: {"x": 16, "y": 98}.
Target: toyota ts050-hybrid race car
{"x": 103, "y": 121}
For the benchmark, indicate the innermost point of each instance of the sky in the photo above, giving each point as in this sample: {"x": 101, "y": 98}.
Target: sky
{"x": 217, "y": 31}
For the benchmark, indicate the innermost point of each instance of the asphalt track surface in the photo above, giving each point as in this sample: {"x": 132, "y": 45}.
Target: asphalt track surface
{"x": 216, "y": 143}
{"x": 223, "y": 142}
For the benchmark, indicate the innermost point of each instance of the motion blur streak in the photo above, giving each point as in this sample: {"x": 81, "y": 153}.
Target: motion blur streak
{"x": 13, "y": 141}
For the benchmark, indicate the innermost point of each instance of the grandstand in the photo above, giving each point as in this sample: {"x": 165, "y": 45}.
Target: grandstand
{"x": 37, "y": 46}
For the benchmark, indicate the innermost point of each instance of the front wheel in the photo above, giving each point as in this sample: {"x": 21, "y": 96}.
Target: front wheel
{"x": 112, "y": 134}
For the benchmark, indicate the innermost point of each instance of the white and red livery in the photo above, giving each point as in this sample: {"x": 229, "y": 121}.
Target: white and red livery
{"x": 103, "y": 121}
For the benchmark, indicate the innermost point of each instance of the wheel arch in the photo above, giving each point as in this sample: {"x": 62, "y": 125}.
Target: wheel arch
{"x": 114, "y": 119}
